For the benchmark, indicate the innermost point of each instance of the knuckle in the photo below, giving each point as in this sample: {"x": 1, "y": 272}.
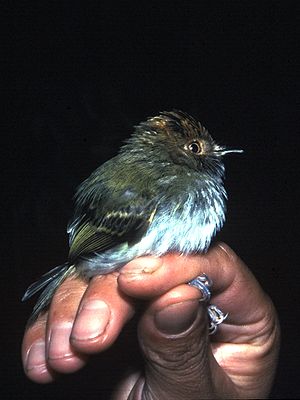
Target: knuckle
{"x": 226, "y": 253}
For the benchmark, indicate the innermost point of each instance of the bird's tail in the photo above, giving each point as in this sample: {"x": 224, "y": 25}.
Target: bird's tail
{"x": 49, "y": 281}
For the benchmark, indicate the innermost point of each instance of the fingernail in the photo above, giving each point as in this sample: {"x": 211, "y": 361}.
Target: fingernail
{"x": 59, "y": 341}
{"x": 36, "y": 356}
{"x": 146, "y": 265}
{"x": 91, "y": 321}
{"x": 177, "y": 318}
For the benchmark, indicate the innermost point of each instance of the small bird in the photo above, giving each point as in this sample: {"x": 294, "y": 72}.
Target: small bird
{"x": 162, "y": 193}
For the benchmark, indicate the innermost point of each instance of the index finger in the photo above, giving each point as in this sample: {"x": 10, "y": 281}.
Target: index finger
{"x": 235, "y": 289}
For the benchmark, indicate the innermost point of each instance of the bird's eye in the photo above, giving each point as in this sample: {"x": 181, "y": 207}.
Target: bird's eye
{"x": 195, "y": 147}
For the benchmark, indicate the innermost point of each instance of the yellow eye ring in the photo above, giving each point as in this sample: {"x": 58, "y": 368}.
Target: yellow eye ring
{"x": 195, "y": 147}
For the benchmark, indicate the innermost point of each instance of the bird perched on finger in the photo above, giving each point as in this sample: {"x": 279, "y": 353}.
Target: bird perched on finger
{"x": 162, "y": 193}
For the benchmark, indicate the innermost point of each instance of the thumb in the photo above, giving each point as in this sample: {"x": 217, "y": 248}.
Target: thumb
{"x": 173, "y": 336}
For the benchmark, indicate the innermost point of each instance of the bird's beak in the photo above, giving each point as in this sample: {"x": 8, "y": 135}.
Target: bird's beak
{"x": 222, "y": 151}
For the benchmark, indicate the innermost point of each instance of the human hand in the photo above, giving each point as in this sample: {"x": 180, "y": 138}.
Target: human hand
{"x": 181, "y": 361}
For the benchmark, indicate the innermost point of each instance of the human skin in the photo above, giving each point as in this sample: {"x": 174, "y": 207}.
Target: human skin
{"x": 181, "y": 359}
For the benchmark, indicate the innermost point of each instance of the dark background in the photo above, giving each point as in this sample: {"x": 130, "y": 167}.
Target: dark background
{"x": 82, "y": 76}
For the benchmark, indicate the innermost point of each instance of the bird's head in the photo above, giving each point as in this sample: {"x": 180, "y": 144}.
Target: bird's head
{"x": 176, "y": 137}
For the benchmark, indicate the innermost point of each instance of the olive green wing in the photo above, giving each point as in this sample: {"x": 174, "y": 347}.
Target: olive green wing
{"x": 103, "y": 228}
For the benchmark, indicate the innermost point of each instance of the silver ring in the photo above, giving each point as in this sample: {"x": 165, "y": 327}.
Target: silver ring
{"x": 215, "y": 315}
{"x": 203, "y": 283}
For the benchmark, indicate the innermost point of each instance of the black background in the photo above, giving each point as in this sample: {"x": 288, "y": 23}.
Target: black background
{"x": 82, "y": 75}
